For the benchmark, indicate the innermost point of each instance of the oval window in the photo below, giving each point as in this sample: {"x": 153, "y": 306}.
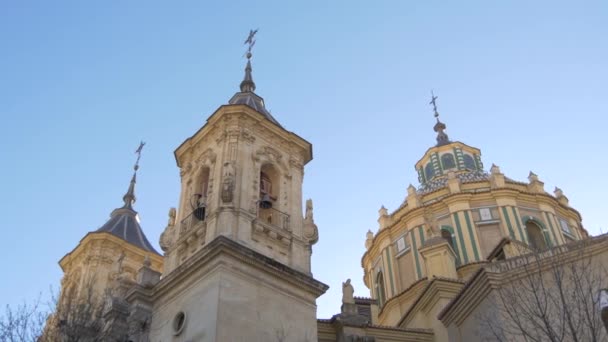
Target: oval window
{"x": 179, "y": 322}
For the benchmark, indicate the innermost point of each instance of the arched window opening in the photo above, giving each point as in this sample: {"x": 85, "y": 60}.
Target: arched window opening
{"x": 448, "y": 237}
{"x": 198, "y": 199}
{"x": 269, "y": 198}
{"x": 269, "y": 184}
{"x": 204, "y": 182}
{"x": 429, "y": 171}
{"x": 265, "y": 184}
{"x": 380, "y": 294}
{"x": 536, "y": 237}
{"x": 469, "y": 162}
{"x": 448, "y": 162}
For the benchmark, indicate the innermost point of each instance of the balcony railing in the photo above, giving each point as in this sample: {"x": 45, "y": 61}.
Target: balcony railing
{"x": 192, "y": 221}
{"x": 274, "y": 217}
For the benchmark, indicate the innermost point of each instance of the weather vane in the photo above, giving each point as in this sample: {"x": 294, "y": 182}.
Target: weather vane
{"x": 138, "y": 152}
{"x": 250, "y": 41}
{"x": 434, "y": 103}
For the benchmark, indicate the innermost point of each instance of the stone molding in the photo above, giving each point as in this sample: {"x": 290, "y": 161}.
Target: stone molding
{"x": 222, "y": 245}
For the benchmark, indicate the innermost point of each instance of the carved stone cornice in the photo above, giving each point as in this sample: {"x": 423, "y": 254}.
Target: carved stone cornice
{"x": 222, "y": 247}
{"x": 208, "y": 157}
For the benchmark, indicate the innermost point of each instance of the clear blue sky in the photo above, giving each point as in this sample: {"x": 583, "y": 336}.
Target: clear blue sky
{"x": 81, "y": 82}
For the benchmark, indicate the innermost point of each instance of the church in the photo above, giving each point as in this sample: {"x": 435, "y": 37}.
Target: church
{"x": 235, "y": 263}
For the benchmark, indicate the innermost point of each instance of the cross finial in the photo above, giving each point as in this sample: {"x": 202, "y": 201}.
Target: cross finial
{"x": 250, "y": 41}
{"x": 138, "y": 152}
{"x": 248, "y": 86}
{"x": 439, "y": 127}
{"x": 434, "y": 103}
{"x": 129, "y": 197}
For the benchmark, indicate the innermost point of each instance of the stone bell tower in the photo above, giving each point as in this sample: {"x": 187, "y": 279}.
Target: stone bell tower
{"x": 104, "y": 264}
{"x": 239, "y": 237}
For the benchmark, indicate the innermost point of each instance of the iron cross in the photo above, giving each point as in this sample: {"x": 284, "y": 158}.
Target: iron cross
{"x": 250, "y": 39}
{"x": 138, "y": 152}
{"x": 434, "y": 103}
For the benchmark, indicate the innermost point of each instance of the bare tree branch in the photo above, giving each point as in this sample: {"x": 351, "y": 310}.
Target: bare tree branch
{"x": 549, "y": 295}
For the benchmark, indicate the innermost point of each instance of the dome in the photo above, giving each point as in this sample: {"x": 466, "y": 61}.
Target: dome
{"x": 253, "y": 101}
{"x": 124, "y": 224}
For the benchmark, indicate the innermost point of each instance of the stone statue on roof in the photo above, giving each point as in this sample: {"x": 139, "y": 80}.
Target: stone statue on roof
{"x": 348, "y": 292}
{"x": 311, "y": 232}
{"x": 167, "y": 237}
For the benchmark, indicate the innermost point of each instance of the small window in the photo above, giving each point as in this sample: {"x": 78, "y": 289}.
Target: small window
{"x": 380, "y": 294}
{"x": 179, "y": 322}
{"x": 204, "y": 183}
{"x": 485, "y": 214}
{"x": 565, "y": 227}
{"x": 448, "y": 162}
{"x": 429, "y": 171}
{"x": 448, "y": 237}
{"x": 469, "y": 162}
{"x": 402, "y": 245}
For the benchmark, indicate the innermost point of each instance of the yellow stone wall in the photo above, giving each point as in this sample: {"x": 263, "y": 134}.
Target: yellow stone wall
{"x": 479, "y": 214}
{"x": 94, "y": 264}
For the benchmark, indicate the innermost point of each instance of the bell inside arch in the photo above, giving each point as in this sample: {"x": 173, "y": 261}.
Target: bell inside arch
{"x": 266, "y": 202}
{"x": 198, "y": 206}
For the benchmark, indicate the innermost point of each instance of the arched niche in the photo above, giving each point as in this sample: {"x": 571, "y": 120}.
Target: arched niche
{"x": 270, "y": 166}
{"x": 201, "y": 182}
{"x": 536, "y": 238}
{"x": 380, "y": 289}
{"x": 447, "y": 233}
{"x": 270, "y": 182}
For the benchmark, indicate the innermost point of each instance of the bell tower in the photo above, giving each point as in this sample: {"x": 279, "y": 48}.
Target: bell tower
{"x": 98, "y": 272}
{"x": 241, "y": 177}
{"x": 240, "y": 219}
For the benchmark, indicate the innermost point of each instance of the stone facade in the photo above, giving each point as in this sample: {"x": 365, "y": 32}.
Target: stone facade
{"x": 237, "y": 249}
{"x": 459, "y": 222}
{"x": 222, "y": 166}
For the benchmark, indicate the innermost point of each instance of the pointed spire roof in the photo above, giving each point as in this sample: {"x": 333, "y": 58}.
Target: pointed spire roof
{"x": 124, "y": 222}
{"x": 247, "y": 96}
{"x": 129, "y": 197}
{"x": 248, "y": 86}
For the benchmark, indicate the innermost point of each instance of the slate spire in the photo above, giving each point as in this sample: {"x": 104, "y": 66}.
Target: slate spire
{"x": 247, "y": 95}
{"x": 129, "y": 197}
{"x": 124, "y": 221}
{"x": 248, "y": 86}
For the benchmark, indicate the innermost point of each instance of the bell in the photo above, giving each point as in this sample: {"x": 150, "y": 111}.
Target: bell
{"x": 199, "y": 213}
{"x": 266, "y": 202}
